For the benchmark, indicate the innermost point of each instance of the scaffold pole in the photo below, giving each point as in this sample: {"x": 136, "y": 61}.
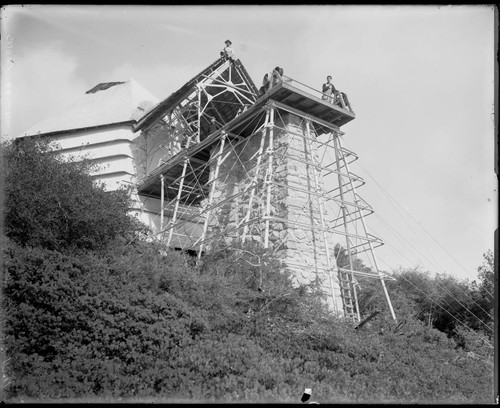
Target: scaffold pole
{"x": 322, "y": 219}
{"x": 256, "y": 176}
{"x": 211, "y": 194}
{"x": 269, "y": 175}
{"x": 162, "y": 198}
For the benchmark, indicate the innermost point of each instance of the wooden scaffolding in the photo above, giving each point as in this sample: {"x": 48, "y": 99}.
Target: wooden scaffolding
{"x": 273, "y": 170}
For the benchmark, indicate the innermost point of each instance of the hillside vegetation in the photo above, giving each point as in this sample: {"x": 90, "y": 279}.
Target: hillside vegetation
{"x": 93, "y": 311}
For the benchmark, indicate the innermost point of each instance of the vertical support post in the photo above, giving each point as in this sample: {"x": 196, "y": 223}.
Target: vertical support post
{"x": 269, "y": 175}
{"x": 178, "y": 199}
{"x": 254, "y": 180}
{"x": 211, "y": 194}
{"x": 162, "y": 179}
{"x": 144, "y": 160}
{"x": 321, "y": 216}
{"x": 198, "y": 136}
{"x": 170, "y": 141}
{"x": 344, "y": 217}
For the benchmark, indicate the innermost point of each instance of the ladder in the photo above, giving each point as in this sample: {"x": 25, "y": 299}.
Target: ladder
{"x": 346, "y": 283}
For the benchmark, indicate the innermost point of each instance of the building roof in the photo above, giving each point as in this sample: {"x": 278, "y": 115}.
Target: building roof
{"x": 104, "y": 104}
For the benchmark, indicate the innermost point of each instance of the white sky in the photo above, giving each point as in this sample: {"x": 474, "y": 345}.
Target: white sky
{"x": 421, "y": 80}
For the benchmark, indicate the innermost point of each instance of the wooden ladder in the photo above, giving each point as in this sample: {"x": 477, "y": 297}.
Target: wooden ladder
{"x": 346, "y": 292}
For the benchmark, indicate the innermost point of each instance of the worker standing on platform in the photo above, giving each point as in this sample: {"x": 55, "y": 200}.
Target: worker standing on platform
{"x": 329, "y": 90}
{"x": 228, "y": 53}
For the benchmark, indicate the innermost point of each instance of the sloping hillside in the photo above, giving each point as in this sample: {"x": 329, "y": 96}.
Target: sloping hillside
{"x": 139, "y": 324}
{"x": 93, "y": 317}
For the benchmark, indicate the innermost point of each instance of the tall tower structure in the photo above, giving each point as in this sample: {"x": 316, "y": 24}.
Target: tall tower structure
{"x": 267, "y": 167}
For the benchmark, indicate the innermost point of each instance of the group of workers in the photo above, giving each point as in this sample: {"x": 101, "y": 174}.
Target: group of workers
{"x": 330, "y": 93}
{"x": 271, "y": 79}
{"x": 275, "y": 77}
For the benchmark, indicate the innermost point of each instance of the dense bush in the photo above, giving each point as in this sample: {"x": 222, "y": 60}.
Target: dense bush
{"x": 78, "y": 326}
{"x": 55, "y": 203}
{"x": 141, "y": 323}
{"x": 441, "y": 301}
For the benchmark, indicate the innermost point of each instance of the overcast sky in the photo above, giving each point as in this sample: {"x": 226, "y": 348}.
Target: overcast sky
{"x": 421, "y": 80}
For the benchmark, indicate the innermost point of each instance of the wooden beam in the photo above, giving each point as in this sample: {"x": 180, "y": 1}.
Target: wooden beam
{"x": 359, "y": 326}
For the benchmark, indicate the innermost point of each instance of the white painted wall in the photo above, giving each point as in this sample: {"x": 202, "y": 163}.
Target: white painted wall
{"x": 110, "y": 147}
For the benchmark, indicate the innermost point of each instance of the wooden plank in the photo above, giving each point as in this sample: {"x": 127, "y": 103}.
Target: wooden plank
{"x": 359, "y": 326}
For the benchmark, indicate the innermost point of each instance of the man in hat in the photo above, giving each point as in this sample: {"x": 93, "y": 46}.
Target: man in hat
{"x": 329, "y": 90}
{"x": 228, "y": 52}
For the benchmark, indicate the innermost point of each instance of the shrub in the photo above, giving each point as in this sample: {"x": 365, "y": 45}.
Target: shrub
{"x": 140, "y": 323}
{"x": 55, "y": 203}
{"x": 77, "y": 329}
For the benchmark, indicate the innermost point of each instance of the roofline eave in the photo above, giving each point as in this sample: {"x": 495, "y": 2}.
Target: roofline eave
{"x": 58, "y": 132}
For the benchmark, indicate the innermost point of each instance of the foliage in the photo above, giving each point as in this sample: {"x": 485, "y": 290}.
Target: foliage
{"x": 88, "y": 317}
{"x": 138, "y": 322}
{"x": 344, "y": 261}
{"x": 79, "y": 327}
{"x": 486, "y": 275}
{"x": 54, "y": 203}
{"x": 441, "y": 301}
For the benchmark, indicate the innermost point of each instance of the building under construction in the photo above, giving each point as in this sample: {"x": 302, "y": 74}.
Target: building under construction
{"x": 220, "y": 161}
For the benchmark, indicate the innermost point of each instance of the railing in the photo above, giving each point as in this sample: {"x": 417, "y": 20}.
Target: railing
{"x": 338, "y": 98}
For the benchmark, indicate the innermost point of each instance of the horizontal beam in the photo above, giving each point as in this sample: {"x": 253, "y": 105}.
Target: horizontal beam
{"x": 302, "y": 114}
{"x": 317, "y": 228}
{"x": 379, "y": 275}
